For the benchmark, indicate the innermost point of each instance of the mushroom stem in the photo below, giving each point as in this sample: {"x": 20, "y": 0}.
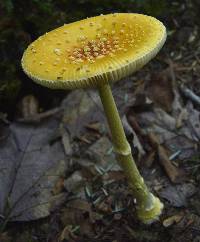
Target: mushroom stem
{"x": 148, "y": 206}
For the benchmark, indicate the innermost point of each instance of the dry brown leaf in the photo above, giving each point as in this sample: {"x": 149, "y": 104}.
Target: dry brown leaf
{"x": 31, "y": 165}
{"x": 178, "y": 195}
{"x": 160, "y": 90}
{"x": 59, "y": 186}
{"x": 180, "y": 130}
{"x": 67, "y": 234}
{"x": 79, "y": 213}
{"x": 149, "y": 158}
{"x": 80, "y": 109}
{"x": 105, "y": 206}
{"x": 164, "y": 127}
{"x": 102, "y": 154}
{"x": 175, "y": 174}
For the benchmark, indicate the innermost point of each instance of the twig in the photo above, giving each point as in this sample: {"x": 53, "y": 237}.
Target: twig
{"x": 38, "y": 117}
{"x": 171, "y": 69}
{"x": 190, "y": 94}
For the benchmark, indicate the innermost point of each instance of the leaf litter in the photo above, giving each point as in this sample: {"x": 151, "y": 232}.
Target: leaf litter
{"x": 31, "y": 162}
{"x": 78, "y": 148}
{"x": 158, "y": 118}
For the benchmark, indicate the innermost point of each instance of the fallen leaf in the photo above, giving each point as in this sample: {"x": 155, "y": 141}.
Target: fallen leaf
{"x": 94, "y": 127}
{"x": 149, "y": 158}
{"x": 83, "y": 108}
{"x": 79, "y": 213}
{"x": 59, "y": 186}
{"x": 178, "y": 130}
{"x": 178, "y": 195}
{"x": 105, "y": 206}
{"x": 174, "y": 173}
{"x": 182, "y": 117}
{"x": 80, "y": 109}
{"x": 102, "y": 154}
{"x": 160, "y": 90}
{"x": 164, "y": 127}
{"x": 30, "y": 165}
{"x": 193, "y": 121}
{"x": 67, "y": 234}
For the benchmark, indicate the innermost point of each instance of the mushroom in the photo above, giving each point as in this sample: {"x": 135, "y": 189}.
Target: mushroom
{"x": 93, "y": 53}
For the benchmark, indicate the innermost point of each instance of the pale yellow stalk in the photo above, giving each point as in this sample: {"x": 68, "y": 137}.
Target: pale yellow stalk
{"x": 148, "y": 206}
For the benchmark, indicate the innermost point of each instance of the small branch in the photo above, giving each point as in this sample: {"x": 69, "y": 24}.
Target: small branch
{"x": 38, "y": 117}
{"x": 190, "y": 94}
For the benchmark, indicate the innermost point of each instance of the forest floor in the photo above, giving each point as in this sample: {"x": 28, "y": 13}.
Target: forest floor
{"x": 78, "y": 192}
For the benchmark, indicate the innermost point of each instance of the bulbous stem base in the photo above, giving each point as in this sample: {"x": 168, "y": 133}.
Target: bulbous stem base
{"x": 149, "y": 215}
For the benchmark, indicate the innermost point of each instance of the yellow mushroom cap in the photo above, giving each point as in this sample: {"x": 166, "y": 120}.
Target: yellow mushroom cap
{"x": 93, "y": 51}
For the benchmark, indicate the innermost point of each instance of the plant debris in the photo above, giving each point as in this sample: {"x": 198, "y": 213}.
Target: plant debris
{"x": 30, "y": 165}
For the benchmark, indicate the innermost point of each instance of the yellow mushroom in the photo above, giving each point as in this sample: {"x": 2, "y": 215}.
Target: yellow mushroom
{"x": 138, "y": 44}
{"x": 95, "y": 52}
